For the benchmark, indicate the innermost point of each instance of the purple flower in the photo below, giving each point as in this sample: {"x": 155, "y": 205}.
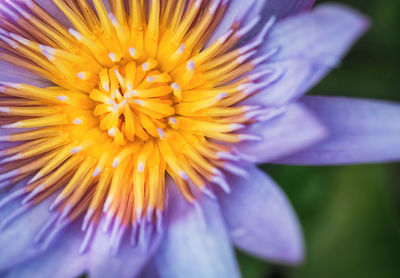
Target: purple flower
{"x": 130, "y": 133}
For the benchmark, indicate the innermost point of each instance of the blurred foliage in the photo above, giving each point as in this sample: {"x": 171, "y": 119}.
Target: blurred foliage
{"x": 350, "y": 214}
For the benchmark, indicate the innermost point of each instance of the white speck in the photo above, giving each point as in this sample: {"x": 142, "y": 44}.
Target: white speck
{"x": 81, "y": 75}
{"x": 113, "y": 57}
{"x": 116, "y": 162}
{"x": 112, "y": 131}
{"x": 190, "y": 65}
{"x": 140, "y": 167}
{"x": 62, "y": 98}
{"x": 181, "y": 48}
{"x": 5, "y": 109}
{"x": 132, "y": 51}
{"x": 173, "y": 120}
{"x": 161, "y": 133}
{"x": 114, "y": 21}
{"x": 221, "y": 96}
{"x": 97, "y": 171}
{"x": 175, "y": 86}
{"x": 77, "y": 121}
{"x": 183, "y": 175}
{"x": 76, "y": 150}
{"x": 106, "y": 87}
{"x": 75, "y": 34}
{"x": 145, "y": 66}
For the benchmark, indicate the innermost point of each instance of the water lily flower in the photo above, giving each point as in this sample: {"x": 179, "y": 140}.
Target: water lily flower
{"x": 130, "y": 131}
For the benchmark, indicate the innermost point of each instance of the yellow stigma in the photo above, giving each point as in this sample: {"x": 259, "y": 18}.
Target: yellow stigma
{"x": 136, "y": 95}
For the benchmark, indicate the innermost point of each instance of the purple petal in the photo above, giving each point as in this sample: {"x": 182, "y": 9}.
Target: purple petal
{"x": 293, "y": 77}
{"x": 150, "y": 271}
{"x": 61, "y": 260}
{"x": 237, "y": 8}
{"x": 261, "y": 220}
{"x": 317, "y": 41}
{"x": 362, "y": 131}
{"x": 264, "y": 8}
{"x": 52, "y": 9}
{"x": 98, "y": 261}
{"x": 17, "y": 238}
{"x": 11, "y": 73}
{"x": 127, "y": 263}
{"x": 284, "y": 8}
{"x": 290, "y": 132}
{"x": 196, "y": 242}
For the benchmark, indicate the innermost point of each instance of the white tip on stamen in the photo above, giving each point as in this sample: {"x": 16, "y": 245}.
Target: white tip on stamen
{"x": 77, "y": 121}
{"x": 113, "y": 19}
{"x": 150, "y": 79}
{"x": 75, "y": 33}
{"x": 105, "y": 86}
{"x": 209, "y": 193}
{"x": 190, "y": 65}
{"x": 97, "y": 171}
{"x": 19, "y": 39}
{"x": 131, "y": 93}
{"x": 112, "y": 131}
{"x": 116, "y": 162}
{"x": 227, "y": 155}
{"x": 119, "y": 76}
{"x": 87, "y": 217}
{"x": 249, "y": 137}
{"x": 47, "y": 51}
{"x": 113, "y": 57}
{"x": 236, "y": 170}
{"x": 139, "y": 101}
{"x": 183, "y": 175}
{"x": 161, "y": 133}
{"x": 145, "y": 66}
{"x": 223, "y": 38}
{"x": 82, "y": 75}
{"x": 236, "y": 126}
{"x": 14, "y": 125}
{"x": 107, "y": 204}
{"x": 11, "y": 85}
{"x": 214, "y": 7}
{"x": 244, "y": 57}
{"x": 62, "y": 98}
{"x": 197, "y": 4}
{"x": 173, "y": 120}
{"x": 221, "y": 182}
{"x": 140, "y": 167}
{"x": 221, "y": 96}
{"x": 265, "y": 57}
{"x": 9, "y": 174}
{"x": 12, "y": 43}
{"x": 132, "y": 52}
{"x": 175, "y": 86}
{"x": 4, "y": 138}
{"x": 76, "y": 150}
{"x": 5, "y": 109}
{"x": 247, "y": 28}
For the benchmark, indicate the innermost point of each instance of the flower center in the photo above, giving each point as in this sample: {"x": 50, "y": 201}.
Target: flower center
{"x": 134, "y": 100}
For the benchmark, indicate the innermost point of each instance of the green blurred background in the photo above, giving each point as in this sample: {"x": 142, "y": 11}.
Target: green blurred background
{"x": 350, "y": 215}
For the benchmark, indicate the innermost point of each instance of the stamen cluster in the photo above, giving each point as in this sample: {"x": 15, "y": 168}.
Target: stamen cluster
{"x": 136, "y": 94}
